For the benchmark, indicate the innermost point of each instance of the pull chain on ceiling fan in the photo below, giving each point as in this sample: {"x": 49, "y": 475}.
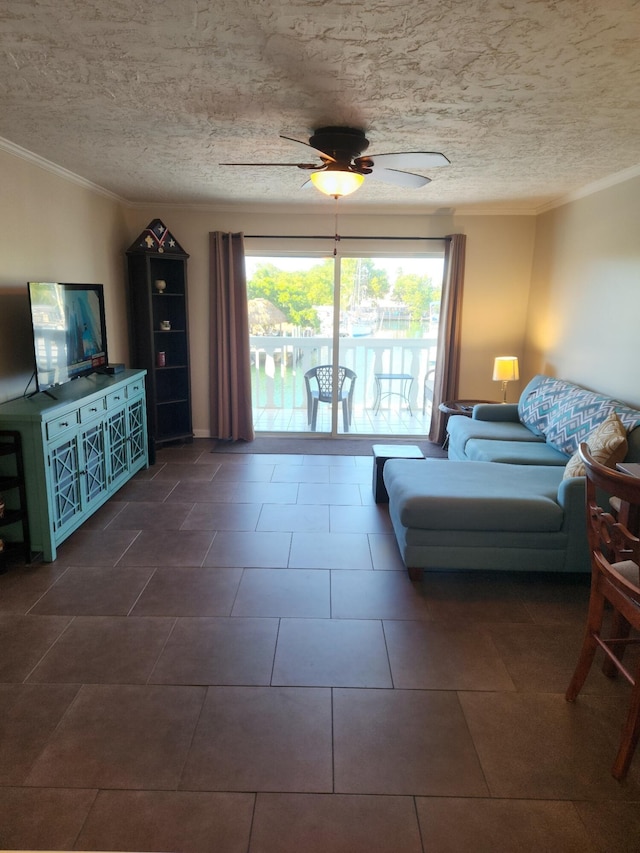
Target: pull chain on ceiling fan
{"x": 343, "y": 165}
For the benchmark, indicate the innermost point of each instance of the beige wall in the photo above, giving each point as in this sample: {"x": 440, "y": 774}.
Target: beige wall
{"x": 496, "y": 293}
{"x": 52, "y": 229}
{"x": 584, "y": 309}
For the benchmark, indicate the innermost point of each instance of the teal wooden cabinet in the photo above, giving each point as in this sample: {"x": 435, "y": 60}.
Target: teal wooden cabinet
{"x": 78, "y": 450}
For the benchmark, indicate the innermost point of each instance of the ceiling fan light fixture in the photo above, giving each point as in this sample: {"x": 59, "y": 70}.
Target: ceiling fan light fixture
{"x": 336, "y": 182}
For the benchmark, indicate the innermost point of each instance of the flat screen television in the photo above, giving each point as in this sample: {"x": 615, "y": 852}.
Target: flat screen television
{"x": 69, "y": 331}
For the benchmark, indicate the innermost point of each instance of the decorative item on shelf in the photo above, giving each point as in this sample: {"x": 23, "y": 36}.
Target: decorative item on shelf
{"x": 165, "y": 325}
{"x": 156, "y": 238}
{"x": 161, "y": 359}
{"x": 160, "y": 285}
{"x": 505, "y": 370}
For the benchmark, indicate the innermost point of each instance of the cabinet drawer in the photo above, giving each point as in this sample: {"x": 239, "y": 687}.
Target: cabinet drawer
{"x": 116, "y": 399}
{"x": 135, "y": 388}
{"x": 92, "y": 410}
{"x": 59, "y": 425}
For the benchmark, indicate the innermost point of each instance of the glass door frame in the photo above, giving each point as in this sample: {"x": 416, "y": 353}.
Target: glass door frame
{"x": 400, "y": 249}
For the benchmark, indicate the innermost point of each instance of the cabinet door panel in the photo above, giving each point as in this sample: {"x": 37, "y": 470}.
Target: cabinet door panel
{"x": 65, "y": 485}
{"x": 137, "y": 431}
{"x": 117, "y": 436}
{"x": 94, "y": 471}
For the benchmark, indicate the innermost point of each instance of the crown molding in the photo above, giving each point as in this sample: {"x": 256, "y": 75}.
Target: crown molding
{"x": 54, "y": 169}
{"x": 592, "y": 188}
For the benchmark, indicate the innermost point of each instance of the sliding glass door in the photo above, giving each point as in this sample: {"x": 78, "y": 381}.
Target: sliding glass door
{"x": 291, "y": 333}
{"x": 388, "y": 337}
{"x": 378, "y": 313}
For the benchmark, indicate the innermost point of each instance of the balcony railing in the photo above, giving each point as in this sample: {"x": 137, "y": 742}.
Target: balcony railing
{"x": 279, "y": 393}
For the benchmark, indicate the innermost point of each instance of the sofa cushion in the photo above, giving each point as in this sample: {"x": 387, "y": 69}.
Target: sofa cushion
{"x": 445, "y": 495}
{"x": 503, "y": 412}
{"x": 607, "y": 444}
{"x": 515, "y": 452}
{"x": 461, "y": 429}
{"x": 577, "y": 412}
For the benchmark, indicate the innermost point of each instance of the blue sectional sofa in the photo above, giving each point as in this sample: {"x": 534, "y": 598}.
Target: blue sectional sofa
{"x": 504, "y": 498}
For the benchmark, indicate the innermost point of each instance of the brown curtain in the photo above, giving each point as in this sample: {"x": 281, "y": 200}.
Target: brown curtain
{"x": 445, "y": 382}
{"x": 229, "y": 358}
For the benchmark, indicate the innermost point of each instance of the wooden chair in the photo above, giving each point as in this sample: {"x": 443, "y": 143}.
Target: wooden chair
{"x": 615, "y": 561}
{"x": 319, "y": 385}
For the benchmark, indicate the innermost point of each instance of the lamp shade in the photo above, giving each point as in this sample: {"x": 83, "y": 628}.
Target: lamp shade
{"x": 336, "y": 182}
{"x": 505, "y": 368}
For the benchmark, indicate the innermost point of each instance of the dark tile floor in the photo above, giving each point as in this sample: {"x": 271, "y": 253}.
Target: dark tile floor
{"x": 230, "y": 657}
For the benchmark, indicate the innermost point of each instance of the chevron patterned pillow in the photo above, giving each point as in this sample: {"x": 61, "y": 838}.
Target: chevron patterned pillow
{"x": 578, "y": 412}
{"x": 534, "y": 409}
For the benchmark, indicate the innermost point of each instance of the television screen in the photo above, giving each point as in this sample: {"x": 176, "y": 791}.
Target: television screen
{"x": 69, "y": 331}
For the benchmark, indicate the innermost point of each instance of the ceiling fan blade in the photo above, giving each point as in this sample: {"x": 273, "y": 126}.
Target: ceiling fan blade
{"x": 408, "y": 160}
{"x": 306, "y": 144}
{"x": 399, "y": 179}
{"x": 297, "y": 165}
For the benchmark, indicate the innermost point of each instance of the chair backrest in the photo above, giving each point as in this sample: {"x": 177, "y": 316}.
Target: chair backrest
{"x": 610, "y": 542}
{"x": 429, "y": 384}
{"x": 608, "y": 480}
{"x": 323, "y": 374}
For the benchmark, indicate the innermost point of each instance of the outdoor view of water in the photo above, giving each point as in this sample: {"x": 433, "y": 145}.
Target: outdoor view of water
{"x": 278, "y": 381}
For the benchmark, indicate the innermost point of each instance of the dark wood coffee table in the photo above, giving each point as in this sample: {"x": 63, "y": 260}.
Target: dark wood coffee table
{"x": 381, "y": 454}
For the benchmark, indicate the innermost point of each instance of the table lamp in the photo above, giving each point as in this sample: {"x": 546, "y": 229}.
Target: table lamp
{"x": 505, "y": 369}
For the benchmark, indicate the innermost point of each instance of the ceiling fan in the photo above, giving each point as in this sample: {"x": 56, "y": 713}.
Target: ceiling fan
{"x": 343, "y": 165}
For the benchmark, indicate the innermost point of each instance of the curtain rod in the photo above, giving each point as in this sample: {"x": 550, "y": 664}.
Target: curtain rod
{"x": 333, "y": 237}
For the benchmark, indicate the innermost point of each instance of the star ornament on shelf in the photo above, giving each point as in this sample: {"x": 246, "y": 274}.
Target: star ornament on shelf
{"x": 157, "y": 238}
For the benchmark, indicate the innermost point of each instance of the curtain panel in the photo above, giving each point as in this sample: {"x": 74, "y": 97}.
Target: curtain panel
{"x": 447, "y": 375}
{"x": 229, "y": 356}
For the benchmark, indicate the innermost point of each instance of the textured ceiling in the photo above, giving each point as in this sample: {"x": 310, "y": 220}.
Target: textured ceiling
{"x": 530, "y": 100}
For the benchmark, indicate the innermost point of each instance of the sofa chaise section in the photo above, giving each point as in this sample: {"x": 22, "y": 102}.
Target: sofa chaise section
{"x": 471, "y": 515}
